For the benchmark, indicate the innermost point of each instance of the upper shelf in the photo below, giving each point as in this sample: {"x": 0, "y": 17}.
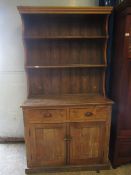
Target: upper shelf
{"x": 64, "y": 10}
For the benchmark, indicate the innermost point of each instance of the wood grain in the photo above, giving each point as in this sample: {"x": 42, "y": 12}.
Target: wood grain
{"x": 64, "y": 27}
{"x": 48, "y": 145}
{"x": 66, "y": 100}
{"x": 86, "y": 145}
{"x": 67, "y": 114}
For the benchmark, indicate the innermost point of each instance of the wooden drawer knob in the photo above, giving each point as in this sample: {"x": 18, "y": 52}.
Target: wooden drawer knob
{"x": 47, "y": 115}
{"x": 88, "y": 114}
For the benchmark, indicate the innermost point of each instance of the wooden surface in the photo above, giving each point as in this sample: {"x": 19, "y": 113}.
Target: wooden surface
{"x": 28, "y": 37}
{"x": 70, "y": 169}
{"x": 65, "y": 54}
{"x": 46, "y": 115}
{"x": 89, "y": 113}
{"x": 64, "y": 10}
{"x": 68, "y": 66}
{"x": 67, "y": 114}
{"x": 121, "y": 89}
{"x": 66, "y": 27}
{"x": 65, "y": 81}
{"x": 87, "y": 140}
{"x": 70, "y": 135}
{"x": 48, "y": 147}
{"x": 74, "y": 114}
{"x": 66, "y": 100}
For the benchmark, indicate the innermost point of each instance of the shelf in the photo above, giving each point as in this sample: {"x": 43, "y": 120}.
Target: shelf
{"x": 68, "y": 66}
{"x": 66, "y": 37}
{"x": 66, "y": 54}
{"x": 65, "y": 10}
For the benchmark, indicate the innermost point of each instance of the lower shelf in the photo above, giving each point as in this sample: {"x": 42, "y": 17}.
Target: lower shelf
{"x": 69, "y": 168}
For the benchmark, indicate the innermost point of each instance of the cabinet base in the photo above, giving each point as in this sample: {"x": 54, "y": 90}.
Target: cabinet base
{"x": 70, "y": 168}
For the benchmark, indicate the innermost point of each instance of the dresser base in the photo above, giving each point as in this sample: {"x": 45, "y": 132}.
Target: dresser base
{"x": 96, "y": 167}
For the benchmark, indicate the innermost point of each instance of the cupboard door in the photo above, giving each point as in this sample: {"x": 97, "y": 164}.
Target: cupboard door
{"x": 47, "y": 144}
{"x": 87, "y": 142}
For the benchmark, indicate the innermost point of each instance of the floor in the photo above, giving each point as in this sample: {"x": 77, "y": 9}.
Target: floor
{"x": 13, "y": 162}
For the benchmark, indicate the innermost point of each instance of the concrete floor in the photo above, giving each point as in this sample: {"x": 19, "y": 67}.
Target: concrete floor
{"x": 13, "y": 162}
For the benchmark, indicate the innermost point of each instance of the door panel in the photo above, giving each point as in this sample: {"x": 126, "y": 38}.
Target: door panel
{"x": 123, "y": 151}
{"x": 87, "y": 144}
{"x": 47, "y": 144}
{"x": 124, "y": 112}
{"x": 125, "y": 117}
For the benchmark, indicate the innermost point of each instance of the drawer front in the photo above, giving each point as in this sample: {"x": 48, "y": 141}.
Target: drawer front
{"x": 45, "y": 115}
{"x": 90, "y": 113}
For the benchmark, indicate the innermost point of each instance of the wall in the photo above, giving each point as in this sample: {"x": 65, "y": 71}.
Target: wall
{"x": 12, "y": 76}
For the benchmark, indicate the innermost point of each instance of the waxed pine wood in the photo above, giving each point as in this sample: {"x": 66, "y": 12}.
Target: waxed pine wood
{"x": 67, "y": 114}
{"x": 83, "y": 136}
{"x": 49, "y": 145}
{"x": 81, "y": 43}
{"x": 65, "y": 81}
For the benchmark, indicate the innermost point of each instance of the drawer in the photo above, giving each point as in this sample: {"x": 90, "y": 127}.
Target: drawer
{"x": 90, "y": 113}
{"x": 45, "y": 115}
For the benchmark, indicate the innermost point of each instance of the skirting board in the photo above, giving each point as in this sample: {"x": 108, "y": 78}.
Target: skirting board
{"x": 11, "y": 140}
{"x": 69, "y": 168}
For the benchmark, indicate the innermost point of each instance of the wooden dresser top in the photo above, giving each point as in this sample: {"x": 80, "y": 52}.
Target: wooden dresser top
{"x": 67, "y": 100}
